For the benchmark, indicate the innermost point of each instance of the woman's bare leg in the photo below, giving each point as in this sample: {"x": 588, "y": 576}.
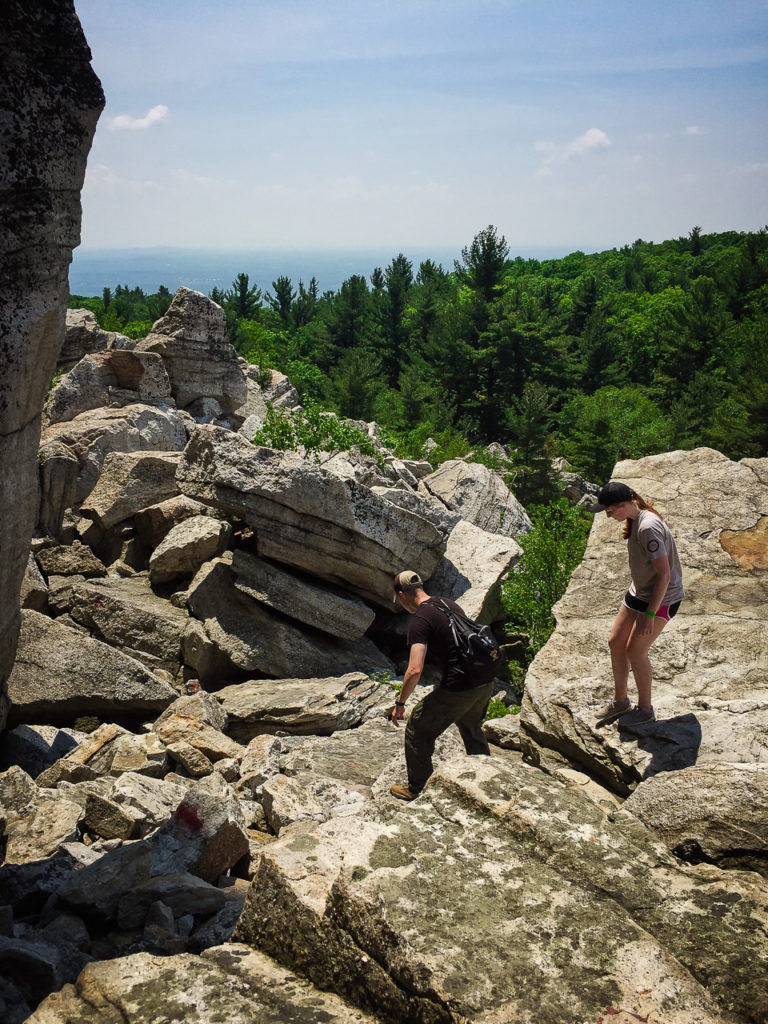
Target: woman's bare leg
{"x": 618, "y": 642}
{"x": 637, "y": 656}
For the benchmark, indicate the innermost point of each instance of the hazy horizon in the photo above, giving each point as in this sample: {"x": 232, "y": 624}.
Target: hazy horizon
{"x": 94, "y": 269}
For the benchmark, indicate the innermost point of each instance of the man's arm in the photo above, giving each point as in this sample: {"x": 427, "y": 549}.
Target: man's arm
{"x": 411, "y": 678}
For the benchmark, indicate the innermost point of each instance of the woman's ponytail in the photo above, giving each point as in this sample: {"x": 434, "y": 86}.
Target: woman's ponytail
{"x": 644, "y": 506}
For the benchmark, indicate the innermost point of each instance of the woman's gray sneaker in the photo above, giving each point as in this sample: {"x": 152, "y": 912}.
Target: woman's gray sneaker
{"x": 613, "y": 710}
{"x": 637, "y": 716}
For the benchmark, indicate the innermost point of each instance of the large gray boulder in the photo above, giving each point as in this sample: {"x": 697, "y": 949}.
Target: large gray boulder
{"x": 480, "y": 496}
{"x": 60, "y": 673}
{"x": 81, "y": 445}
{"x": 50, "y": 100}
{"x": 42, "y": 829}
{"x": 186, "y": 546}
{"x": 84, "y": 336}
{"x": 127, "y": 614}
{"x": 275, "y": 387}
{"x": 250, "y": 639}
{"x": 711, "y": 661}
{"x": 299, "y": 706}
{"x": 201, "y": 363}
{"x": 715, "y": 812}
{"x": 154, "y": 523}
{"x": 255, "y": 404}
{"x": 36, "y": 747}
{"x": 496, "y": 863}
{"x": 303, "y": 516}
{"x": 130, "y": 482}
{"x": 321, "y": 607}
{"x": 116, "y": 378}
{"x": 474, "y": 566}
{"x": 309, "y": 798}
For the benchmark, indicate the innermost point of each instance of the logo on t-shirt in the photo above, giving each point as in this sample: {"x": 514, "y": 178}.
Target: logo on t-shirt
{"x": 653, "y": 545}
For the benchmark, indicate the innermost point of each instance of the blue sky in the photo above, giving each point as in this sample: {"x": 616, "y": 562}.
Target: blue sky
{"x": 289, "y": 124}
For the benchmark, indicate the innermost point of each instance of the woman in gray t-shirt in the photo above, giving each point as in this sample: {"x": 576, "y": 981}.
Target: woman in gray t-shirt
{"x": 653, "y": 598}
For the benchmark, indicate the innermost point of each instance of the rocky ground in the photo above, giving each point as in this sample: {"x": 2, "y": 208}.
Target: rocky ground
{"x": 194, "y": 798}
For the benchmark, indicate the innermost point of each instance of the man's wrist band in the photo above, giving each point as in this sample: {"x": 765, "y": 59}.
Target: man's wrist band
{"x": 652, "y": 615}
{"x": 400, "y": 703}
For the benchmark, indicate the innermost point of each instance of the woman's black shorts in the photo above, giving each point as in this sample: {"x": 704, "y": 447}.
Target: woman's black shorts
{"x": 642, "y": 606}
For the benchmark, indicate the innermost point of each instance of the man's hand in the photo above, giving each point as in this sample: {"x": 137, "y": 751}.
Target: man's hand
{"x": 397, "y": 714}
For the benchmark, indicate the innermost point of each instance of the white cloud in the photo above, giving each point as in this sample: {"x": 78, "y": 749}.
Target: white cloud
{"x": 560, "y": 153}
{"x": 126, "y": 122}
{"x": 694, "y": 129}
{"x": 595, "y": 138}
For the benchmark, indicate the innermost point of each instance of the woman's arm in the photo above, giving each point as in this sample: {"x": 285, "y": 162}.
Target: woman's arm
{"x": 661, "y": 568}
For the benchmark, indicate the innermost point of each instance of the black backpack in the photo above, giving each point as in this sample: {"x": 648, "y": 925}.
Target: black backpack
{"x": 479, "y": 653}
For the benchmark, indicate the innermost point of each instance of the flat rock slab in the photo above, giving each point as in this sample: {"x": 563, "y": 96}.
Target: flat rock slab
{"x": 411, "y": 913}
{"x": 355, "y": 756}
{"x": 60, "y": 673}
{"x": 230, "y": 983}
{"x": 302, "y": 706}
{"x": 333, "y": 528}
{"x": 710, "y": 663}
{"x": 323, "y": 608}
{"x": 70, "y": 560}
{"x": 252, "y": 639}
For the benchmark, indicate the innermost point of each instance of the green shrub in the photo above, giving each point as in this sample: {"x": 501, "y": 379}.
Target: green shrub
{"x": 498, "y": 709}
{"x": 551, "y": 551}
{"x": 137, "y": 329}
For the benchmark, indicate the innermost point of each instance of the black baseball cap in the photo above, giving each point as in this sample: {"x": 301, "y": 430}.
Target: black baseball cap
{"x": 614, "y": 493}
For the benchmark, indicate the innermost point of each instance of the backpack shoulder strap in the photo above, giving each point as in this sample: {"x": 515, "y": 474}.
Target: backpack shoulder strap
{"x": 450, "y": 615}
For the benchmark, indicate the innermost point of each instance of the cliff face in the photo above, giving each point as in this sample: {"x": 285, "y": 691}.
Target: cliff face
{"x": 50, "y": 101}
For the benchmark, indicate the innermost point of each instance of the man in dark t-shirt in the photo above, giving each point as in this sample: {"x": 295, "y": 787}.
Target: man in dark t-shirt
{"x": 455, "y": 701}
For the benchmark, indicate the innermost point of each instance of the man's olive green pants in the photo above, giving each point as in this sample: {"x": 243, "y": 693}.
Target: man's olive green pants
{"x": 439, "y": 710}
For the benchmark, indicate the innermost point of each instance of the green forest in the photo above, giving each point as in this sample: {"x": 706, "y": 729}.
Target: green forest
{"x": 594, "y": 357}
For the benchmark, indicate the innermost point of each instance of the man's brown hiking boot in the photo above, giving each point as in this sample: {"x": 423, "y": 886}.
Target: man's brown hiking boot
{"x": 402, "y": 793}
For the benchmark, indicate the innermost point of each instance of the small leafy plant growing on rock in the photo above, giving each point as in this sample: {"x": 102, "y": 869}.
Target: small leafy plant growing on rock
{"x": 311, "y": 431}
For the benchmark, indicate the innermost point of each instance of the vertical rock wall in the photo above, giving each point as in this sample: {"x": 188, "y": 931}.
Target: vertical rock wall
{"x": 50, "y": 101}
